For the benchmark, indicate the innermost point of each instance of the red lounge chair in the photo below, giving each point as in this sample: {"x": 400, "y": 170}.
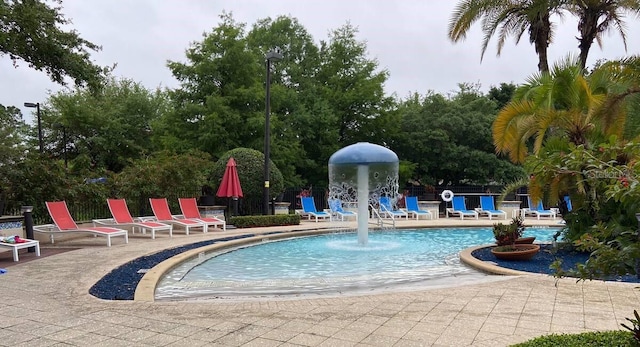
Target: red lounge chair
{"x": 64, "y": 223}
{"x": 190, "y": 210}
{"x": 162, "y": 212}
{"x": 122, "y": 217}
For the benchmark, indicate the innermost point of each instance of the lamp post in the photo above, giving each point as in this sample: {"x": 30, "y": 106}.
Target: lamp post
{"x": 64, "y": 141}
{"x": 272, "y": 56}
{"x": 37, "y": 106}
{"x": 64, "y": 149}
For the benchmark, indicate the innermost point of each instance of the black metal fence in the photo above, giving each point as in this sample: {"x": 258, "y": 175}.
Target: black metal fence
{"x": 83, "y": 211}
{"x": 471, "y": 193}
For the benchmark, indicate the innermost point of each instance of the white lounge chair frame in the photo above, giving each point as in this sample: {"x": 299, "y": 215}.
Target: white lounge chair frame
{"x": 53, "y": 229}
{"x": 144, "y": 224}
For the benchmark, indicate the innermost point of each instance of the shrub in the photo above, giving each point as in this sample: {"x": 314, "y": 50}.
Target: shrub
{"x": 591, "y": 339}
{"x": 265, "y": 221}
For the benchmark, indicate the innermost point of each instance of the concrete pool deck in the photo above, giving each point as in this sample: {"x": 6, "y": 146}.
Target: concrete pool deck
{"x": 46, "y": 303}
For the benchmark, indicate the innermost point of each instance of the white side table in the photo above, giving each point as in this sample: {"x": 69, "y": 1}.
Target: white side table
{"x": 16, "y": 246}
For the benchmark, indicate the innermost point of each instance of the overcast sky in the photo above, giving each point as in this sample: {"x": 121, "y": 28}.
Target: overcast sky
{"x": 407, "y": 37}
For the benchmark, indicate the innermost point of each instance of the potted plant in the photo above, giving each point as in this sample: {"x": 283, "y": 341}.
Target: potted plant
{"x": 507, "y": 247}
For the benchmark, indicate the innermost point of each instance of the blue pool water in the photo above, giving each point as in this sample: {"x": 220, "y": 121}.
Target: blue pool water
{"x": 330, "y": 263}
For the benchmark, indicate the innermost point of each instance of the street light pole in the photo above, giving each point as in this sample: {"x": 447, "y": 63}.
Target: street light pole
{"x": 64, "y": 149}
{"x": 271, "y": 56}
{"x": 37, "y": 106}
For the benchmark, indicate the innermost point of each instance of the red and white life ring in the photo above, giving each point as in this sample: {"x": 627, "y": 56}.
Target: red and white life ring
{"x": 446, "y": 195}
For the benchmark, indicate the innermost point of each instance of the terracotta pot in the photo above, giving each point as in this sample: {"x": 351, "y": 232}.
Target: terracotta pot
{"x": 522, "y": 252}
{"x": 525, "y": 240}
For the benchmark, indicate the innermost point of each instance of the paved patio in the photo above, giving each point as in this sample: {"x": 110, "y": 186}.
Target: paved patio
{"x": 45, "y": 302}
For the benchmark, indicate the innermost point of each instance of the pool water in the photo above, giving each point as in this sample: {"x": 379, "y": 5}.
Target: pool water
{"x": 330, "y": 263}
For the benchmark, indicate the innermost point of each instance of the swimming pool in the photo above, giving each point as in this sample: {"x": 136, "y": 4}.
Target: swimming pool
{"x": 330, "y": 263}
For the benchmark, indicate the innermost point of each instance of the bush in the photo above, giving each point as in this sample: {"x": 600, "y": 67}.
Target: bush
{"x": 591, "y": 339}
{"x": 165, "y": 175}
{"x": 264, "y": 221}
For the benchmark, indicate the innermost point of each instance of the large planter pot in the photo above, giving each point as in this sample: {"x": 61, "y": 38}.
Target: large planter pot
{"x": 525, "y": 240}
{"x": 522, "y": 252}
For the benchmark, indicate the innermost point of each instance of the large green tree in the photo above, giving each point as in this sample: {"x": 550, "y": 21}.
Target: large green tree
{"x": 220, "y": 104}
{"x": 104, "y": 129}
{"x": 296, "y": 110}
{"x": 217, "y": 105}
{"x": 37, "y": 33}
{"x": 449, "y": 139}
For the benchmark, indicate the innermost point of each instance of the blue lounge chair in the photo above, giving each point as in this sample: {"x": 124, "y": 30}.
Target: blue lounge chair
{"x": 386, "y": 210}
{"x": 414, "y": 209}
{"x": 459, "y": 208}
{"x": 488, "y": 208}
{"x": 335, "y": 205}
{"x": 538, "y": 210}
{"x": 309, "y": 209}
{"x": 567, "y": 200}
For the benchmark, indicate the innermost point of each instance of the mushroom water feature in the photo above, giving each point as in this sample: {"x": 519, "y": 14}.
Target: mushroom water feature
{"x": 360, "y": 174}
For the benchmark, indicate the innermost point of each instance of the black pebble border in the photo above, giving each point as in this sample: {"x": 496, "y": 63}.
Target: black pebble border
{"x": 121, "y": 283}
{"x": 541, "y": 262}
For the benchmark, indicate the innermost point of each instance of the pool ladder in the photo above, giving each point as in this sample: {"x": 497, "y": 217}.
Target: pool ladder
{"x": 379, "y": 221}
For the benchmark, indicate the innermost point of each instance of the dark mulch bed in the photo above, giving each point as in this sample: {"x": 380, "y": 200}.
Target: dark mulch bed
{"x": 541, "y": 262}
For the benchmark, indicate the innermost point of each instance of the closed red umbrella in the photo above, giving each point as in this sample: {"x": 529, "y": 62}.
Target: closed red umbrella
{"x": 230, "y": 185}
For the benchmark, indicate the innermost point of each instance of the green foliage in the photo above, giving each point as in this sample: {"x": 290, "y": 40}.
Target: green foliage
{"x": 335, "y": 88}
{"x": 13, "y": 130}
{"x": 32, "y": 31}
{"x": 110, "y": 127}
{"x": 165, "y": 175}
{"x": 264, "y": 221}
{"x": 250, "y": 166}
{"x": 605, "y": 193}
{"x": 35, "y": 179}
{"x": 577, "y": 123}
{"x": 449, "y": 139}
{"x": 502, "y": 95}
{"x": 507, "y": 234}
{"x": 220, "y": 104}
{"x": 589, "y": 339}
{"x": 635, "y": 326}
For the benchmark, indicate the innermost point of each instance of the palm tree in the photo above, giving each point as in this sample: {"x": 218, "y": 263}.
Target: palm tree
{"x": 596, "y": 17}
{"x": 509, "y": 18}
{"x": 560, "y": 102}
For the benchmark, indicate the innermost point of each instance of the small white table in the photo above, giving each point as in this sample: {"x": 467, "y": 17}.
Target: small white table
{"x": 16, "y": 246}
